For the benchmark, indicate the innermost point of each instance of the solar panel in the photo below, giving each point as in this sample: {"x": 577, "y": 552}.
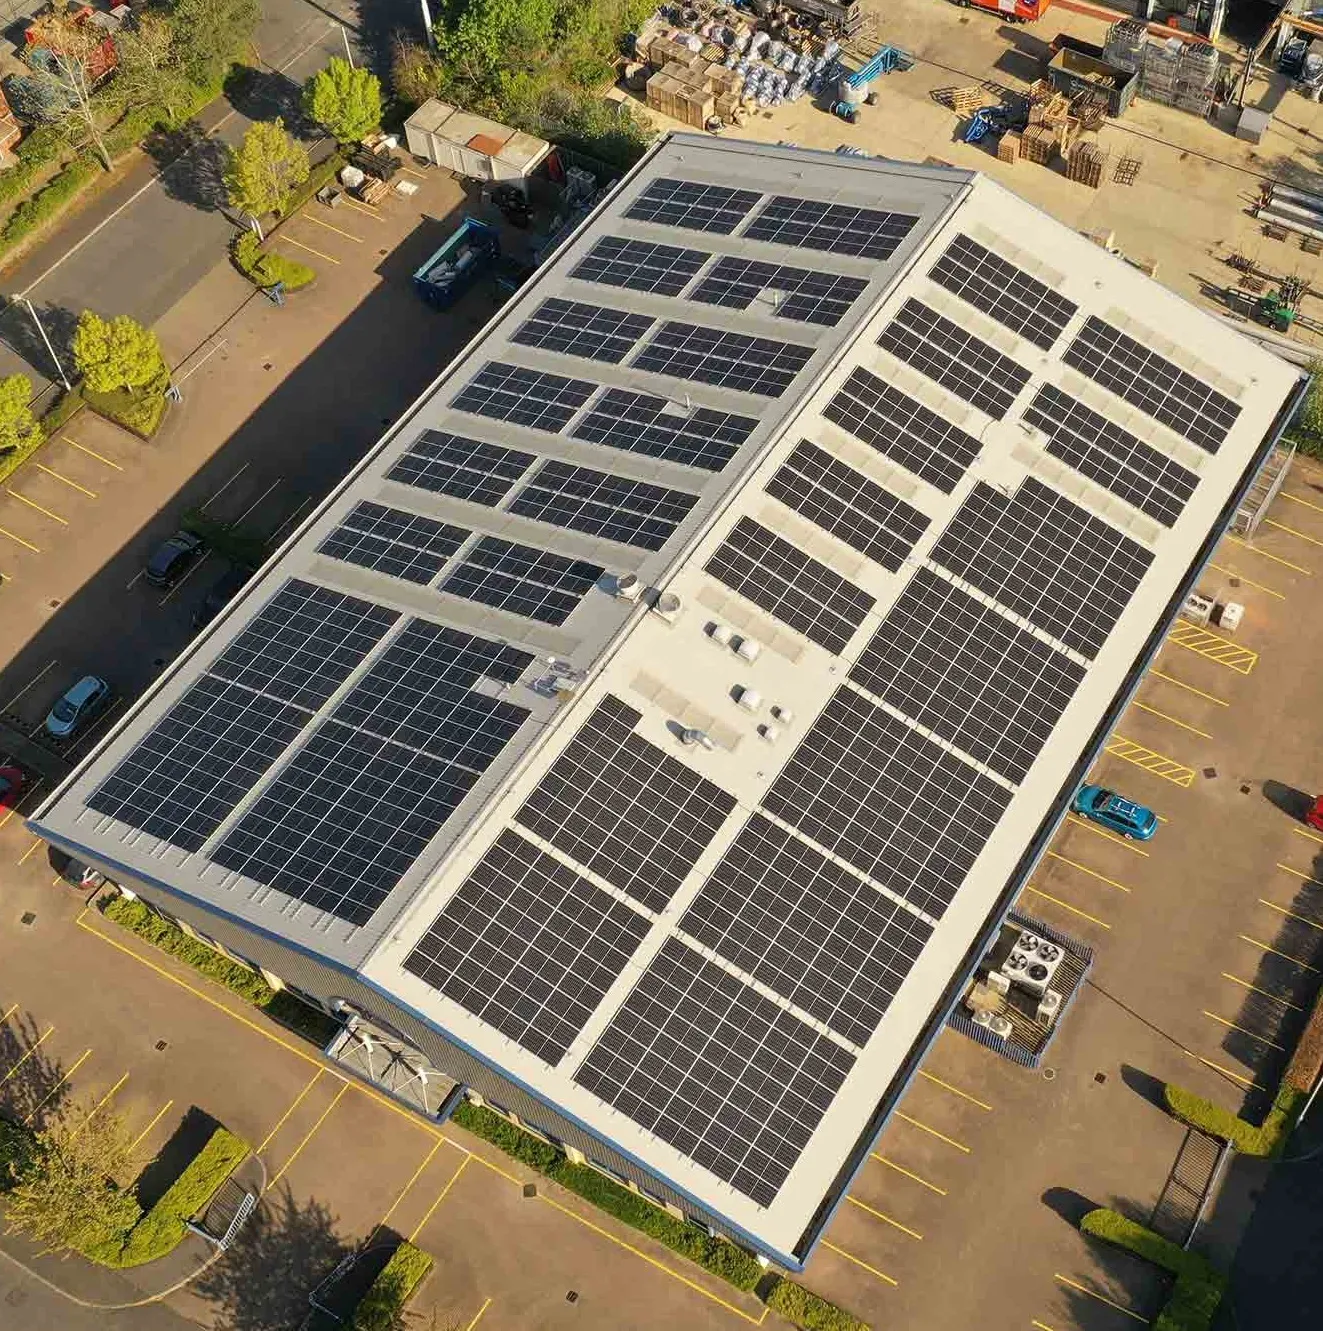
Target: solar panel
{"x": 523, "y": 396}
{"x": 1152, "y": 383}
{"x": 640, "y": 265}
{"x": 574, "y": 328}
{"x": 658, "y": 428}
{"x": 694, "y": 207}
{"x": 836, "y": 227}
{"x": 968, "y": 674}
{"x": 954, "y": 358}
{"x": 846, "y": 503}
{"x": 1004, "y": 292}
{"x": 600, "y": 504}
{"x": 1115, "y": 458}
{"x": 449, "y": 464}
{"x": 304, "y": 643}
{"x": 1045, "y": 558}
{"x": 400, "y": 544}
{"x": 198, "y": 762}
{"x": 623, "y": 808}
{"x": 340, "y": 826}
{"x": 802, "y": 294}
{"x": 897, "y": 806}
{"x": 902, "y": 429}
{"x": 728, "y": 360}
{"x": 807, "y": 928}
{"x": 522, "y": 579}
{"x": 528, "y": 945}
{"x": 723, "y": 1074}
{"x": 799, "y": 590}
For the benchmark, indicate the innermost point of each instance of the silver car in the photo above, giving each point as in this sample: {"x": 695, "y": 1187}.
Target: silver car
{"x": 78, "y": 706}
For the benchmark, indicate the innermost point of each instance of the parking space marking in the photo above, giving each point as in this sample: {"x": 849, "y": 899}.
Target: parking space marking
{"x": 32, "y": 683}
{"x": 298, "y": 1100}
{"x": 1157, "y": 764}
{"x": 1093, "y": 873}
{"x": 291, "y": 520}
{"x": 955, "y": 1090}
{"x": 13, "y": 1007}
{"x": 1226, "y": 1072}
{"x": 311, "y": 1133}
{"x": 1290, "y": 914}
{"x": 92, "y": 453}
{"x": 883, "y": 1216}
{"x": 1065, "y": 905}
{"x": 242, "y": 516}
{"x": 1249, "y": 582}
{"x": 1296, "y": 873}
{"x": 27, "y": 1054}
{"x": 179, "y": 585}
{"x": 441, "y": 1196}
{"x": 1215, "y": 648}
{"x": 23, "y": 499}
{"x": 1181, "y": 684}
{"x": 1244, "y": 1030}
{"x": 1291, "y": 531}
{"x": 100, "y": 1104}
{"x": 18, "y": 540}
{"x": 1295, "y": 499}
{"x": 891, "y": 1164}
{"x": 1266, "y": 993}
{"x": 208, "y": 502}
{"x": 1184, "y": 725}
{"x": 477, "y": 1317}
{"x": 1076, "y": 821}
{"x": 859, "y": 1261}
{"x": 156, "y": 1118}
{"x": 73, "y": 485}
{"x": 1040, "y": 1326}
{"x": 1263, "y": 554}
{"x": 309, "y": 248}
{"x": 1286, "y": 956}
{"x": 932, "y": 1132}
{"x": 41, "y": 1104}
{"x": 308, "y": 217}
{"x": 1311, "y": 836}
{"x": 362, "y": 208}
{"x": 1102, "y": 1298}
{"x": 27, "y": 854}
{"x": 403, "y": 1192}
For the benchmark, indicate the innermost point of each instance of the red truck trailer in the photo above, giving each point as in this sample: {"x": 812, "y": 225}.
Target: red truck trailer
{"x": 1013, "y": 11}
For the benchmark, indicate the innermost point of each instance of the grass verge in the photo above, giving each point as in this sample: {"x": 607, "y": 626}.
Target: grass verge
{"x": 382, "y": 1307}
{"x": 229, "y": 541}
{"x": 138, "y": 413}
{"x": 264, "y": 268}
{"x": 1267, "y": 1140}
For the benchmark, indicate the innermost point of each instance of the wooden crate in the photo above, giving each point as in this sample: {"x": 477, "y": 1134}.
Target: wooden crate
{"x": 965, "y": 101}
{"x": 1038, "y": 144}
{"x": 1008, "y": 150}
{"x": 1085, "y": 164}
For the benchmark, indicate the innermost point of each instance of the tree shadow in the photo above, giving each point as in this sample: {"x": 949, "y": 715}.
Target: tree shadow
{"x": 1144, "y": 1084}
{"x": 20, "y": 334}
{"x": 35, "y": 1091}
{"x": 1070, "y": 1205}
{"x": 263, "y": 1281}
{"x": 261, "y": 94}
{"x": 193, "y": 1133}
{"x": 195, "y": 162}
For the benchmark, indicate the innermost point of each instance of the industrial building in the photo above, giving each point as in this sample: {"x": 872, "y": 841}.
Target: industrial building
{"x": 651, "y": 733}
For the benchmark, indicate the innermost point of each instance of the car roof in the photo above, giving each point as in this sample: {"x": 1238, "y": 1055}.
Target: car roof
{"x": 85, "y": 688}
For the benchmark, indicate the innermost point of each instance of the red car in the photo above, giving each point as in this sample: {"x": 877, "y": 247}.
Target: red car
{"x": 11, "y": 786}
{"x": 1314, "y": 816}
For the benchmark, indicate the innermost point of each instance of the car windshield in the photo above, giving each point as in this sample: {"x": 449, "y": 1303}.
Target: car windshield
{"x": 64, "y": 710}
{"x": 1103, "y": 798}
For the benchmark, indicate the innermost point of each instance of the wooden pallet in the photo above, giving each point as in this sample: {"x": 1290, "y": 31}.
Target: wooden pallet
{"x": 1127, "y": 170}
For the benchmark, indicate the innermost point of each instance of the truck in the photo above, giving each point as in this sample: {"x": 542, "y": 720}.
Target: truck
{"x": 469, "y": 251}
{"x": 1013, "y": 11}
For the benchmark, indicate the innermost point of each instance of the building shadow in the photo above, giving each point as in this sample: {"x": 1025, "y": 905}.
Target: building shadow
{"x": 1292, "y": 802}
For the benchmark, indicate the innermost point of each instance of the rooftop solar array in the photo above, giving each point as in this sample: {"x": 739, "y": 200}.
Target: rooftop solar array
{"x": 643, "y": 423}
{"x": 870, "y": 233}
{"x": 447, "y": 464}
{"x": 800, "y": 293}
{"x": 692, "y": 206}
{"x": 641, "y": 265}
{"x": 401, "y": 545}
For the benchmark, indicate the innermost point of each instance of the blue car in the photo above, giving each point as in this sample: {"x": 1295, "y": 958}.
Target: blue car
{"x": 1119, "y": 815}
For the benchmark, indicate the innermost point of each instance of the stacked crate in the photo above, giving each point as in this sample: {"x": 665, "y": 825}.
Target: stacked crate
{"x": 1085, "y": 164}
{"x": 1125, "y": 44}
{"x": 1196, "y": 77}
{"x": 693, "y": 90}
{"x": 1008, "y": 150}
{"x": 1038, "y": 144}
{"x": 1160, "y": 71}
{"x": 965, "y": 101}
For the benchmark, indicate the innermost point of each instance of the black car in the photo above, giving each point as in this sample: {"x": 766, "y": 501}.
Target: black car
{"x": 173, "y": 558}
{"x": 220, "y": 594}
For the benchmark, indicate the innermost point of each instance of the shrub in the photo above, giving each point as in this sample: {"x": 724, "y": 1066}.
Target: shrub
{"x": 139, "y": 413}
{"x": 16, "y": 1143}
{"x": 1267, "y": 1140}
{"x": 522, "y": 1146}
{"x": 62, "y": 411}
{"x": 324, "y": 173}
{"x": 804, "y": 1308}
{"x": 227, "y": 540}
{"x": 383, "y": 1304}
{"x": 49, "y": 200}
{"x": 264, "y": 268}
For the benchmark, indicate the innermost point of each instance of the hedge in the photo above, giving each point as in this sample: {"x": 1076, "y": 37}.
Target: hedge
{"x": 1267, "y": 1140}
{"x": 11, "y": 462}
{"x": 15, "y": 1149}
{"x": 66, "y": 407}
{"x": 226, "y": 539}
{"x": 140, "y": 413}
{"x": 381, "y": 1307}
{"x": 804, "y": 1308}
{"x": 1199, "y": 1284}
{"x": 36, "y": 211}
{"x": 264, "y": 268}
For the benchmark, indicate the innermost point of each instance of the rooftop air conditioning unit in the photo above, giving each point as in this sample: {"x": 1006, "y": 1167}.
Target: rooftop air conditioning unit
{"x": 693, "y": 736}
{"x": 982, "y": 1017}
{"x": 769, "y": 732}
{"x": 1032, "y": 962}
{"x": 628, "y": 587}
{"x": 1001, "y": 1027}
{"x": 1049, "y": 1006}
{"x": 1230, "y": 615}
{"x": 999, "y": 982}
{"x": 1198, "y": 609}
{"x": 721, "y": 634}
{"x": 782, "y": 714}
{"x": 750, "y": 699}
{"x": 749, "y": 649}
{"x": 667, "y": 607}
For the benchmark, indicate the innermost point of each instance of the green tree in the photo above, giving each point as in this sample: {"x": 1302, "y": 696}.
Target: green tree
{"x": 477, "y": 39}
{"x": 344, "y": 101}
{"x": 67, "y": 62}
{"x": 1309, "y": 419}
{"x": 18, "y": 426}
{"x": 153, "y": 67}
{"x": 66, "y": 1195}
{"x": 213, "y": 34}
{"x": 415, "y": 73}
{"x": 265, "y": 169}
{"x": 118, "y": 354}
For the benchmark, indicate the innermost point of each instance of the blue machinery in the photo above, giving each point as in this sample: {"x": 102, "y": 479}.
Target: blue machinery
{"x": 889, "y": 59}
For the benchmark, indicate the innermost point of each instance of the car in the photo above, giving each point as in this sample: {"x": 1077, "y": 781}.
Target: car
{"x": 11, "y": 786}
{"x": 173, "y": 558}
{"x": 79, "y": 704}
{"x": 220, "y": 594}
{"x": 1115, "y": 813}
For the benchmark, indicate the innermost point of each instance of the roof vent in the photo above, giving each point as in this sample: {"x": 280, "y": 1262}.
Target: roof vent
{"x": 750, "y": 699}
{"x": 782, "y": 714}
{"x": 770, "y": 732}
{"x": 628, "y": 587}
{"x": 668, "y": 607}
{"x": 749, "y": 649}
{"x": 693, "y": 736}
{"x": 721, "y": 634}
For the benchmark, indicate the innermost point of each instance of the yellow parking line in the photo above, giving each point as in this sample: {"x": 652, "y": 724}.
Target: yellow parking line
{"x": 403, "y": 1192}
{"x": 1291, "y": 531}
{"x": 1290, "y": 914}
{"x": 477, "y": 1317}
{"x": 91, "y": 452}
{"x": 1153, "y": 711}
{"x": 859, "y": 1261}
{"x": 9, "y": 1012}
{"x": 27, "y": 854}
{"x": 73, "y": 485}
{"x": 409, "y": 171}
{"x": 311, "y": 1133}
{"x": 41, "y": 1104}
{"x": 100, "y": 1104}
{"x": 32, "y": 1049}
{"x": 1076, "y": 821}
{"x": 1286, "y": 956}
{"x": 1276, "y": 559}
{"x": 1102, "y": 1298}
{"x": 1093, "y": 873}
{"x": 932, "y": 1132}
{"x": 884, "y": 1217}
{"x": 1213, "y": 646}
{"x": 1295, "y": 499}
{"x": 362, "y": 208}
{"x": 1157, "y": 764}
{"x": 1074, "y": 910}
{"x": 298, "y": 1100}
{"x": 1240, "y": 577}
{"x": 923, "y": 1182}
{"x": 955, "y": 1090}
{"x": 1040, "y": 1326}
{"x": 23, "y": 499}
{"x": 441, "y": 1196}
{"x": 156, "y": 1118}
{"x": 1181, "y": 684}
{"x": 1313, "y": 836}
{"x": 309, "y": 248}
{"x": 1244, "y": 1030}
{"x": 1226, "y": 1072}
{"x": 1296, "y": 873}
{"x": 1266, "y": 993}
{"x": 27, "y": 545}
{"x": 308, "y": 217}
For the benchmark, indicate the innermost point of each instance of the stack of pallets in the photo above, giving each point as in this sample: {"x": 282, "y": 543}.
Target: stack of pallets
{"x": 1085, "y": 164}
{"x": 1008, "y": 150}
{"x": 1038, "y": 144}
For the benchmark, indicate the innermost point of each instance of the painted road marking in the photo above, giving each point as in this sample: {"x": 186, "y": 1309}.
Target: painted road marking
{"x": 1074, "y": 910}
{"x": 477, "y": 1317}
{"x": 1244, "y": 1030}
{"x": 41, "y": 1104}
{"x": 13, "y": 1007}
{"x": 92, "y": 453}
{"x": 1040, "y": 1326}
{"x": 193, "y": 369}
{"x": 156, "y": 1118}
{"x": 1181, "y": 684}
{"x": 35, "y": 680}
{"x": 1291, "y": 531}
{"x": 1312, "y": 836}
{"x": 1211, "y": 645}
{"x": 955, "y": 1090}
{"x": 100, "y": 1104}
{"x": 208, "y": 503}
{"x": 1286, "y": 956}
{"x": 73, "y": 485}
{"x": 1295, "y": 499}
{"x": 859, "y": 1261}
{"x": 309, "y": 248}
{"x": 403, "y": 1192}
{"x": 1296, "y": 873}
{"x": 311, "y": 1133}
{"x": 298, "y": 1100}
{"x": 1076, "y": 821}
{"x": 1290, "y": 914}
{"x": 1266, "y": 993}
{"x": 27, "y": 854}
{"x": 441, "y": 1196}
{"x": 923, "y": 1182}
{"x": 1102, "y": 1298}
{"x": 174, "y": 591}
{"x": 1157, "y": 764}
{"x": 243, "y": 516}
{"x": 1184, "y": 725}
{"x": 884, "y": 1217}
{"x": 308, "y": 217}
{"x": 18, "y": 540}
{"x": 23, "y": 499}
{"x": 1249, "y": 582}
{"x": 31, "y": 1049}
{"x": 932, "y": 1132}
{"x": 1093, "y": 873}
{"x": 1263, "y": 554}
{"x": 362, "y": 208}
{"x": 1226, "y": 1072}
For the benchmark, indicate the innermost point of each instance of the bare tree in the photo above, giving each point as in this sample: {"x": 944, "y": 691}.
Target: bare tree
{"x": 69, "y": 59}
